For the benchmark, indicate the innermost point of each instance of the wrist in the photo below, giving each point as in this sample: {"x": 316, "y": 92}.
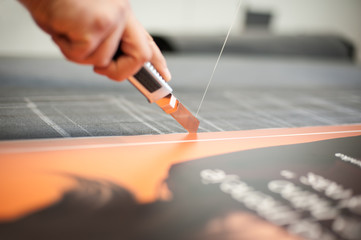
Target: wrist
{"x": 32, "y": 5}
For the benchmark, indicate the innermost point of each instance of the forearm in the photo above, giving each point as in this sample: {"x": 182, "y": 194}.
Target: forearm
{"x": 39, "y": 10}
{"x": 32, "y": 4}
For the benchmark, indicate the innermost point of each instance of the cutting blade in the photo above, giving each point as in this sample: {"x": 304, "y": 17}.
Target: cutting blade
{"x": 185, "y": 118}
{"x": 179, "y": 112}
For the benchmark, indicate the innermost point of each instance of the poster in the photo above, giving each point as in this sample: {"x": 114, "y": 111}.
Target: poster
{"x": 300, "y": 183}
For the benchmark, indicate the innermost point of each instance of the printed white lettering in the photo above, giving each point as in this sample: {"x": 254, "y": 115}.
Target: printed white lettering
{"x": 212, "y": 176}
{"x": 348, "y": 228}
{"x": 288, "y": 174}
{"x": 263, "y": 204}
{"x": 346, "y": 158}
{"x": 319, "y": 208}
{"x": 330, "y": 188}
{"x": 353, "y": 204}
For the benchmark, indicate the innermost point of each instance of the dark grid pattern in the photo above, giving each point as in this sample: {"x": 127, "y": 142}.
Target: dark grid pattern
{"x": 37, "y": 104}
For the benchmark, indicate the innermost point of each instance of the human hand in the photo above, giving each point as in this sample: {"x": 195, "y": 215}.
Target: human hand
{"x": 89, "y": 32}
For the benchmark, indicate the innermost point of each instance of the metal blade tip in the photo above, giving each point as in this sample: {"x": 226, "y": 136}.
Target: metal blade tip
{"x": 186, "y": 118}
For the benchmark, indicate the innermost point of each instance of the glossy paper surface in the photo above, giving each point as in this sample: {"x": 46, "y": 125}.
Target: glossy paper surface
{"x": 34, "y": 174}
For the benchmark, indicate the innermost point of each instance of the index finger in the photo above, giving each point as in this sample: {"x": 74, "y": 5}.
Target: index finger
{"x": 136, "y": 51}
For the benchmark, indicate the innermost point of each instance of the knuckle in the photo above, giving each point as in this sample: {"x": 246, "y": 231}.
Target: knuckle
{"x": 71, "y": 58}
{"x": 116, "y": 77}
{"x": 77, "y": 55}
{"x": 102, "y": 22}
{"x": 144, "y": 56}
{"x": 138, "y": 60}
{"x": 123, "y": 7}
{"x": 55, "y": 24}
{"x": 102, "y": 62}
{"x": 80, "y": 53}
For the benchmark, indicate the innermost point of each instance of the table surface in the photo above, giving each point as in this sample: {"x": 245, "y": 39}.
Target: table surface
{"x": 53, "y": 98}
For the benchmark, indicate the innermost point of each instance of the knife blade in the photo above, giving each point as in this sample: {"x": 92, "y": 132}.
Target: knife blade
{"x": 179, "y": 112}
{"x": 151, "y": 84}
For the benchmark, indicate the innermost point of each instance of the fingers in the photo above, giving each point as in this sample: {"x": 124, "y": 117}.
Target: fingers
{"x": 88, "y": 32}
{"x": 138, "y": 47}
{"x": 72, "y": 50}
{"x": 159, "y": 61}
{"x": 94, "y": 48}
{"x": 102, "y": 54}
{"x": 97, "y": 43}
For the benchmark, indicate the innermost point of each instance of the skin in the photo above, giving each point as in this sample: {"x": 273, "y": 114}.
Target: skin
{"x": 89, "y": 32}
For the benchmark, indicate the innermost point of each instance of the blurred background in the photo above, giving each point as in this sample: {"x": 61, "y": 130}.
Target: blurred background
{"x": 320, "y": 29}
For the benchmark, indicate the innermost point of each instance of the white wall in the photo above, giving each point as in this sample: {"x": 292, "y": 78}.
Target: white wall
{"x": 339, "y": 17}
{"x": 20, "y": 36}
{"x": 186, "y": 16}
{"x": 315, "y": 16}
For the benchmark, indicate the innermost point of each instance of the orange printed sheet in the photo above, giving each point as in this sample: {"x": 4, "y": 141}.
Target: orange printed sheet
{"x": 34, "y": 174}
